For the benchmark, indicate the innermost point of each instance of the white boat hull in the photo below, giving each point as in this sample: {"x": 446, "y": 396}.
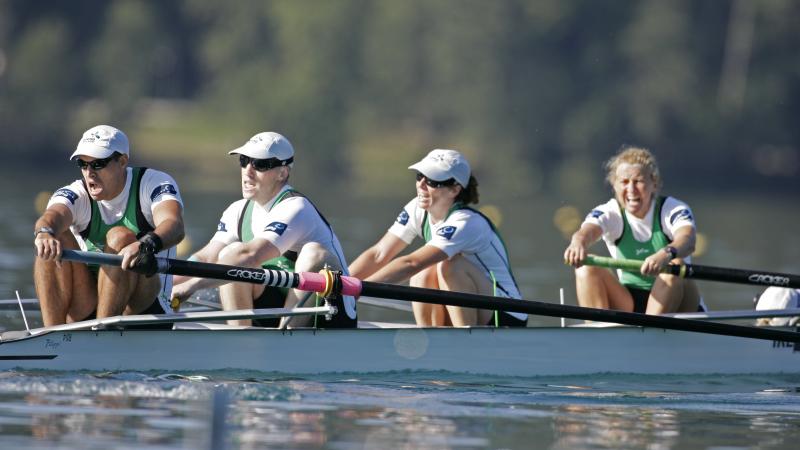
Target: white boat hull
{"x": 508, "y": 352}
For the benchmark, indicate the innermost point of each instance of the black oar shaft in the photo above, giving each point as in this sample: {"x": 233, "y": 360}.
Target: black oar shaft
{"x": 742, "y": 276}
{"x": 571, "y": 312}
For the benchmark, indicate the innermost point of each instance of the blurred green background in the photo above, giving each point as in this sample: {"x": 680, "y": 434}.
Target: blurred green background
{"x": 537, "y": 94}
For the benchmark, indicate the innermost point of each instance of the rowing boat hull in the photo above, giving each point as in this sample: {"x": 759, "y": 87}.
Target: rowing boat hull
{"x": 508, "y": 352}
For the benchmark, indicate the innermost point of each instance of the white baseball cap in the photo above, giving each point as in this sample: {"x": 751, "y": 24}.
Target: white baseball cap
{"x": 266, "y": 145}
{"x": 442, "y": 164}
{"x": 101, "y": 142}
{"x": 779, "y": 298}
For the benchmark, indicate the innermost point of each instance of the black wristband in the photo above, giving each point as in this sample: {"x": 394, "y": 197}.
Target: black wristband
{"x": 151, "y": 242}
{"x": 672, "y": 251}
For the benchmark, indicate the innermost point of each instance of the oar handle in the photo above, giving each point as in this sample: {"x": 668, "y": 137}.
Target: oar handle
{"x": 91, "y": 257}
{"x": 723, "y": 274}
{"x": 611, "y": 263}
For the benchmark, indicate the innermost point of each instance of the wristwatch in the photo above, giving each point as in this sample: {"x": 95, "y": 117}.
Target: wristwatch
{"x": 672, "y": 251}
{"x": 47, "y": 230}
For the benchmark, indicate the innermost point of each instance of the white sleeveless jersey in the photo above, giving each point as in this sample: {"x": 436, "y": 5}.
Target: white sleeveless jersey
{"x": 675, "y": 214}
{"x": 288, "y": 225}
{"x": 155, "y": 187}
{"x": 464, "y": 232}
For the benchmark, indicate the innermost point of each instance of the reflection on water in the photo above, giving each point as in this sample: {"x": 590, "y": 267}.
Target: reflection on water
{"x": 402, "y": 410}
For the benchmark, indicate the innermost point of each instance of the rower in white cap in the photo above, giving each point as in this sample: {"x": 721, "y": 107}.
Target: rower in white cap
{"x": 131, "y": 211}
{"x": 272, "y": 226}
{"x": 463, "y": 251}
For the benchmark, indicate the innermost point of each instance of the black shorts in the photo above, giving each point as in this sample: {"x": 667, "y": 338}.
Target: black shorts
{"x": 273, "y": 297}
{"x": 506, "y": 320}
{"x": 641, "y": 296}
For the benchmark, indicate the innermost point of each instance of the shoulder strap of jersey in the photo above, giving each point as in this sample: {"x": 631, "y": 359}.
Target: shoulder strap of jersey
{"x": 245, "y": 228}
{"x": 141, "y": 221}
{"x": 656, "y": 219}
{"x": 289, "y": 193}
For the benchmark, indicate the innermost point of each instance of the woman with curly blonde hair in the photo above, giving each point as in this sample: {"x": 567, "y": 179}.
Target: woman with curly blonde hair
{"x": 637, "y": 223}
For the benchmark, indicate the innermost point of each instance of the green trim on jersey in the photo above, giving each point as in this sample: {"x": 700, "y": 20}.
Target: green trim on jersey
{"x": 426, "y": 234}
{"x": 97, "y": 229}
{"x": 629, "y": 248}
{"x": 246, "y": 233}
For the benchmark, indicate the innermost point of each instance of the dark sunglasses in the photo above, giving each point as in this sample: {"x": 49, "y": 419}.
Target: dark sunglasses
{"x": 262, "y": 165}
{"x": 97, "y": 164}
{"x": 434, "y": 183}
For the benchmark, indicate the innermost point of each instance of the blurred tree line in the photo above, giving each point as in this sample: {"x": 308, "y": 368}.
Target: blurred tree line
{"x": 537, "y": 93}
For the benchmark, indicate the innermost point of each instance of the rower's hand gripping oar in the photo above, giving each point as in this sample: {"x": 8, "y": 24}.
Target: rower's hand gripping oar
{"x": 743, "y": 276}
{"x": 347, "y": 285}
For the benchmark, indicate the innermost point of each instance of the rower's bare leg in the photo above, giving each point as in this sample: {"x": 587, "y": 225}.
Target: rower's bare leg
{"x": 67, "y": 293}
{"x": 427, "y": 314}
{"x": 457, "y": 274}
{"x": 599, "y": 288}
{"x": 122, "y": 291}
{"x": 673, "y": 294}
{"x": 233, "y": 296}
{"x": 312, "y": 258}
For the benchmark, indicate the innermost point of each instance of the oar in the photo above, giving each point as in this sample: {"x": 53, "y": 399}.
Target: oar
{"x": 353, "y": 286}
{"x": 743, "y": 276}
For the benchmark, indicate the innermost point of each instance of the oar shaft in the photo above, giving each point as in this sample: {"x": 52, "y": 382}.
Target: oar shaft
{"x": 742, "y": 276}
{"x": 570, "y": 312}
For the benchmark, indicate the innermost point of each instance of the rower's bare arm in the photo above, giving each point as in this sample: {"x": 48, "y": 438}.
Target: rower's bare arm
{"x": 168, "y": 218}
{"x": 576, "y": 251}
{"x": 57, "y": 217}
{"x": 404, "y": 267}
{"x": 168, "y": 221}
{"x": 683, "y": 243}
{"x": 377, "y": 256}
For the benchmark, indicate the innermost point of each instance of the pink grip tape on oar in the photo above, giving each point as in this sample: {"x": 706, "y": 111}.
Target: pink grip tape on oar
{"x": 317, "y": 282}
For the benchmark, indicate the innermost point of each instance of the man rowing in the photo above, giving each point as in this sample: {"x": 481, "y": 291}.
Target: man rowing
{"x": 637, "y": 223}
{"x": 272, "y": 226}
{"x": 463, "y": 251}
{"x": 135, "y": 212}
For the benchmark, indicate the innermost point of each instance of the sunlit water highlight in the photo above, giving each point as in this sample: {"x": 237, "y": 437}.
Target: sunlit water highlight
{"x": 400, "y": 410}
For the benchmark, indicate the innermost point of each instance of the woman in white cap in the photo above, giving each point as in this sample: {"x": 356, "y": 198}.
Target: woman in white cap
{"x": 462, "y": 253}
{"x": 272, "y": 226}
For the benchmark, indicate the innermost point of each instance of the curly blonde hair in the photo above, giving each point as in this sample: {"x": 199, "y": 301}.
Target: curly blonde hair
{"x": 633, "y": 155}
